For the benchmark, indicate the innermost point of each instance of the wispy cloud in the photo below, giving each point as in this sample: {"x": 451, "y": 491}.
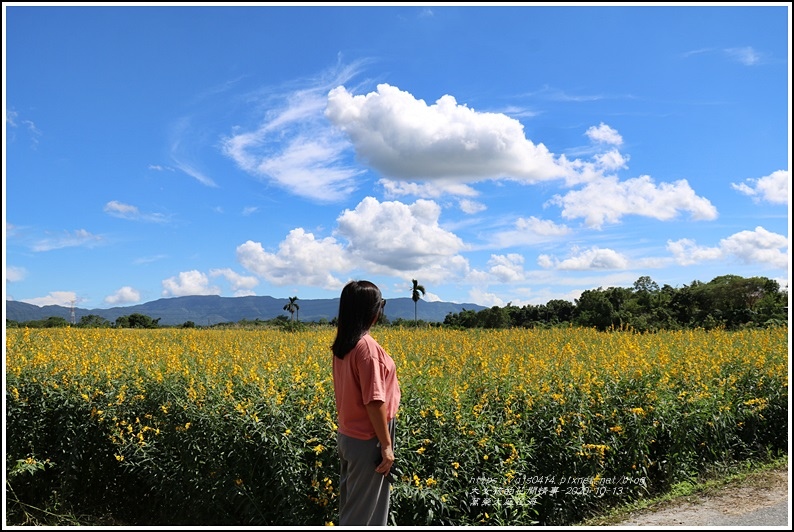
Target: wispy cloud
{"x": 130, "y": 212}
{"x": 746, "y": 55}
{"x": 148, "y": 260}
{"x": 183, "y": 145}
{"x": 13, "y": 121}
{"x": 294, "y": 147}
{"x": 78, "y": 238}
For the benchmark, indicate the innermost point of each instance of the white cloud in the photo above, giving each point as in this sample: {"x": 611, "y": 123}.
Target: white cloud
{"x": 434, "y": 189}
{"x": 479, "y": 296}
{"x": 301, "y": 260}
{"x": 590, "y": 259}
{"x": 242, "y": 285}
{"x": 471, "y": 207}
{"x": 398, "y": 236}
{"x": 608, "y": 200}
{"x": 77, "y": 238}
{"x": 528, "y": 231}
{"x": 745, "y": 55}
{"x": 390, "y": 238}
{"x": 604, "y": 134}
{"x": 63, "y": 299}
{"x": 404, "y": 138}
{"x": 125, "y": 294}
{"x": 131, "y": 212}
{"x": 15, "y": 274}
{"x": 759, "y": 246}
{"x": 192, "y": 283}
{"x": 750, "y": 247}
{"x": 774, "y": 188}
{"x": 294, "y": 147}
{"x": 507, "y": 268}
{"x": 686, "y": 252}
{"x": 611, "y": 161}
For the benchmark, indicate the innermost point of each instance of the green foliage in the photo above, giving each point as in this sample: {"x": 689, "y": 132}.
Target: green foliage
{"x": 730, "y": 302}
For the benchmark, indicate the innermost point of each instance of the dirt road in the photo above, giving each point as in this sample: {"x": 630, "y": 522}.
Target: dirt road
{"x": 761, "y": 499}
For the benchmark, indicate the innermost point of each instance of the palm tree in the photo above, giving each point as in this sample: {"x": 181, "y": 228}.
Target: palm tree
{"x": 415, "y": 295}
{"x": 292, "y": 307}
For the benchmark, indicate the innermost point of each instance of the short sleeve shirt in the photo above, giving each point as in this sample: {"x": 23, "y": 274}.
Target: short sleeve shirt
{"x": 366, "y": 374}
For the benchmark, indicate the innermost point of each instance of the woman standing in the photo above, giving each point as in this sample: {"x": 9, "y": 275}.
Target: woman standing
{"x": 367, "y": 398}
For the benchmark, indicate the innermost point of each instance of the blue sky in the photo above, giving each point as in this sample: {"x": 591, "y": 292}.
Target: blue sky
{"x": 495, "y": 154}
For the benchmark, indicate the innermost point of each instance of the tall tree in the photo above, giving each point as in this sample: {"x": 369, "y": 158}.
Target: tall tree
{"x": 417, "y": 291}
{"x": 292, "y": 307}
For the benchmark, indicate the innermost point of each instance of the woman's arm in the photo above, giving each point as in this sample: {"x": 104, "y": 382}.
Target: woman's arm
{"x": 377, "y": 415}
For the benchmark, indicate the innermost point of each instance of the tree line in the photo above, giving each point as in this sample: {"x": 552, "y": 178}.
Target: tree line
{"x": 728, "y": 301}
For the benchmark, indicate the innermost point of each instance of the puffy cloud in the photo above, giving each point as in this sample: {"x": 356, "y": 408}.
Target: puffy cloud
{"x": 242, "y": 285}
{"x": 471, "y": 207}
{"x": 192, "y": 283}
{"x": 301, "y": 259}
{"x": 751, "y": 247}
{"x": 607, "y": 200}
{"x": 398, "y": 236}
{"x": 404, "y": 138}
{"x": 590, "y": 259}
{"x": 774, "y": 188}
{"x": 604, "y": 134}
{"x": 392, "y": 238}
{"x": 759, "y": 246}
{"x": 125, "y": 294}
{"x": 507, "y": 268}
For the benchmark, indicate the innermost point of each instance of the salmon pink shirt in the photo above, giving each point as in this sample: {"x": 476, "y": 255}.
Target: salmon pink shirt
{"x": 366, "y": 374}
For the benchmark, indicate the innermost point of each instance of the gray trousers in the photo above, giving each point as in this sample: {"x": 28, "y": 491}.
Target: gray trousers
{"x": 363, "y": 492}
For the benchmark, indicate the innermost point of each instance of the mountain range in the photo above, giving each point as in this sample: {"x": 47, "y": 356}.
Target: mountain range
{"x": 211, "y": 310}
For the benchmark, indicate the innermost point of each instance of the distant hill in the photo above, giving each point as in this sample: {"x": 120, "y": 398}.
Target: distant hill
{"x": 211, "y": 310}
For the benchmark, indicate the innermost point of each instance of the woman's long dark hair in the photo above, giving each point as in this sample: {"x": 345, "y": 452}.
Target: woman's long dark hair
{"x": 359, "y": 305}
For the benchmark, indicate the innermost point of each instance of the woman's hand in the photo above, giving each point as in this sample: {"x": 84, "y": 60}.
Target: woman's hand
{"x": 387, "y": 459}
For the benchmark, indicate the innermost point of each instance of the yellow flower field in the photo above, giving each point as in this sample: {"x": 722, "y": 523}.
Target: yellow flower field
{"x": 499, "y": 427}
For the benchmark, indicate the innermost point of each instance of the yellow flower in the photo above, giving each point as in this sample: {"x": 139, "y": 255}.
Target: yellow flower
{"x": 421, "y": 450}
{"x": 319, "y": 448}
